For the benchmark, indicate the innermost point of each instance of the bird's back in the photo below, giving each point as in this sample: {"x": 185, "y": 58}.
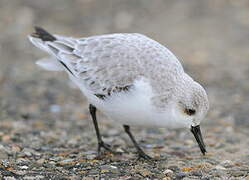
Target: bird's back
{"x": 109, "y": 63}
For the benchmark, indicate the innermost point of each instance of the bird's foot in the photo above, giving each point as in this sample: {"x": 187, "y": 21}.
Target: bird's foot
{"x": 107, "y": 147}
{"x": 143, "y": 155}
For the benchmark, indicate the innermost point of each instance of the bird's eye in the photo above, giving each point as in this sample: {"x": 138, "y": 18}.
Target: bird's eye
{"x": 189, "y": 112}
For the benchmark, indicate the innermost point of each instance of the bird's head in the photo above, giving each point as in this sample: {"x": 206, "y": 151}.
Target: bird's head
{"x": 192, "y": 106}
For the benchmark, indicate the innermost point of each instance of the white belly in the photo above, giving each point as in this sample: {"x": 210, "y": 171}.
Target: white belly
{"x": 133, "y": 107}
{"x": 130, "y": 107}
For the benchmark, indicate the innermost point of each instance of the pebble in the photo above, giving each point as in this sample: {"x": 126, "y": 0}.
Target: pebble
{"x": 238, "y": 173}
{"x": 120, "y": 150}
{"x": 40, "y": 161}
{"x": 88, "y": 178}
{"x": 9, "y": 178}
{"x": 15, "y": 148}
{"x": 24, "y": 167}
{"x": 219, "y": 167}
{"x": 93, "y": 172}
{"x": 196, "y": 173}
{"x": 5, "y": 163}
{"x": 21, "y": 172}
{"x": 181, "y": 175}
{"x": 227, "y": 163}
{"x": 66, "y": 162}
{"x": 33, "y": 177}
{"x": 174, "y": 168}
{"x": 109, "y": 168}
{"x": 168, "y": 172}
{"x": 167, "y": 178}
{"x": 22, "y": 161}
{"x": 145, "y": 172}
{"x": 205, "y": 178}
{"x": 90, "y": 156}
{"x": 27, "y": 152}
{"x": 3, "y": 154}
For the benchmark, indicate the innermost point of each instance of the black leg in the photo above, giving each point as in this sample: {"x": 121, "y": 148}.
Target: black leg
{"x": 101, "y": 143}
{"x": 140, "y": 152}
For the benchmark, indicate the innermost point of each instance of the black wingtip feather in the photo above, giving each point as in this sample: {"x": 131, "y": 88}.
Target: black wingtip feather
{"x": 43, "y": 34}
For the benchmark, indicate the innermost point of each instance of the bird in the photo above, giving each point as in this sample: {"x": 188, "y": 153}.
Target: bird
{"x": 131, "y": 78}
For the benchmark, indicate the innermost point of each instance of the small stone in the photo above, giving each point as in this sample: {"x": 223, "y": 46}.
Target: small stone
{"x": 219, "y": 167}
{"x": 27, "y": 152}
{"x": 21, "y": 172}
{"x": 145, "y": 173}
{"x": 227, "y": 163}
{"x": 90, "y": 156}
{"x": 5, "y": 163}
{"x": 88, "y": 178}
{"x": 238, "y": 173}
{"x": 120, "y": 150}
{"x": 205, "y": 178}
{"x": 52, "y": 163}
{"x": 24, "y": 167}
{"x": 66, "y": 162}
{"x": 168, "y": 172}
{"x": 93, "y": 172}
{"x": 196, "y": 173}
{"x": 33, "y": 177}
{"x": 16, "y": 148}
{"x": 22, "y": 161}
{"x": 167, "y": 178}
{"x": 9, "y": 178}
{"x": 40, "y": 161}
{"x": 3, "y": 154}
{"x": 174, "y": 168}
{"x": 181, "y": 175}
{"x": 109, "y": 168}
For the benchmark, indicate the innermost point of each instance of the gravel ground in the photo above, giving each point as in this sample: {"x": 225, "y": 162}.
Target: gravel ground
{"x": 45, "y": 128}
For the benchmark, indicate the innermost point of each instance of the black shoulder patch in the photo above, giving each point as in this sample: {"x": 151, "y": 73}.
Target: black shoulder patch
{"x": 110, "y": 91}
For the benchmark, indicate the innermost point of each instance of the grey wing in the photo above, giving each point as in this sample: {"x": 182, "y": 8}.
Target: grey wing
{"x": 110, "y": 63}
{"x": 103, "y": 64}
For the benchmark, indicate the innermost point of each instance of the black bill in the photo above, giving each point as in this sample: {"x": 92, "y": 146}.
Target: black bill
{"x": 196, "y": 130}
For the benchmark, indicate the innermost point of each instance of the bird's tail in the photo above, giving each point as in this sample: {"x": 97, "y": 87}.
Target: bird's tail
{"x": 43, "y": 34}
{"x": 40, "y": 38}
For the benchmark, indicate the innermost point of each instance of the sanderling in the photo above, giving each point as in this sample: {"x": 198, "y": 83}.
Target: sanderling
{"x": 131, "y": 78}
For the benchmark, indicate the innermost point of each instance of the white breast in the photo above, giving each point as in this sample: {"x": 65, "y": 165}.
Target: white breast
{"x": 134, "y": 107}
{"x": 129, "y": 107}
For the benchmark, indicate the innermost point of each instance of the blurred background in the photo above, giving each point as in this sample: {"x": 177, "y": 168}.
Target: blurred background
{"x": 41, "y": 109}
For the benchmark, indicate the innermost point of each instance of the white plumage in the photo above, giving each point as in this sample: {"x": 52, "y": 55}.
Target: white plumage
{"x": 131, "y": 78}
{"x": 103, "y": 65}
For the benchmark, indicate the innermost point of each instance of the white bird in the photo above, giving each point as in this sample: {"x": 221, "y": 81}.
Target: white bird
{"x": 131, "y": 78}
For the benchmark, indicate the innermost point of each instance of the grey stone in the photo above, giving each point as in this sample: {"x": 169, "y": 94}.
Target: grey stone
{"x": 109, "y": 168}
{"x": 181, "y": 175}
{"x": 3, "y": 154}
